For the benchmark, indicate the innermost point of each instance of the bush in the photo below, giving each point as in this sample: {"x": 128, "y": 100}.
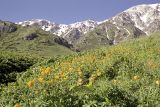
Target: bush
{"x": 11, "y": 64}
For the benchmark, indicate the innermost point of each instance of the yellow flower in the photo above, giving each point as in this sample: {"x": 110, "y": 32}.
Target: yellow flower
{"x": 41, "y": 69}
{"x": 80, "y": 81}
{"x": 30, "y": 83}
{"x": 158, "y": 82}
{"x": 65, "y": 78}
{"x": 114, "y": 81}
{"x": 135, "y": 77}
{"x": 92, "y": 78}
{"x": 79, "y": 69}
{"x": 98, "y": 73}
{"x": 152, "y": 65}
{"x": 61, "y": 75}
{"x": 46, "y": 71}
{"x": 70, "y": 69}
{"x": 80, "y": 73}
{"x": 56, "y": 77}
{"x": 17, "y": 105}
{"x": 40, "y": 79}
{"x": 36, "y": 92}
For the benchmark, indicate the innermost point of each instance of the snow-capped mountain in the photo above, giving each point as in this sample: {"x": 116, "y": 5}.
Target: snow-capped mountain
{"x": 46, "y": 25}
{"x": 60, "y": 29}
{"x": 141, "y": 16}
{"x": 133, "y": 22}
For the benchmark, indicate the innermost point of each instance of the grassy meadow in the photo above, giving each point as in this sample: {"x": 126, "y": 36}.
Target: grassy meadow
{"x": 123, "y": 75}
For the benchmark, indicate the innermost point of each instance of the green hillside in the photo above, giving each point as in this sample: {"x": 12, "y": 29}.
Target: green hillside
{"x": 31, "y": 40}
{"x": 123, "y": 75}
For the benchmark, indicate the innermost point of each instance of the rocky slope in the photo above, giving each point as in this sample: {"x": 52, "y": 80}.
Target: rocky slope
{"x": 144, "y": 17}
{"x": 135, "y": 22}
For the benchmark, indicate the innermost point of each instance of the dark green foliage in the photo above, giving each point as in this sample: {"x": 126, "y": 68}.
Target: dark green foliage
{"x": 11, "y": 64}
{"x": 122, "y": 98}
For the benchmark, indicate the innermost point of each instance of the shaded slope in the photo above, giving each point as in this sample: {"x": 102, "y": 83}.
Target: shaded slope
{"x": 12, "y": 63}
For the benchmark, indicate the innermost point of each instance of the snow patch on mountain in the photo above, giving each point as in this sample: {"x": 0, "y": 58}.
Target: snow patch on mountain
{"x": 102, "y": 22}
{"x": 140, "y": 16}
{"x": 60, "y": 29}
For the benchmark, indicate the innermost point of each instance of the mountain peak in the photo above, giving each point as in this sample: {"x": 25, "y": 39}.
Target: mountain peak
{"x": 31, "y": 22}
{"x": 86, "y": 24}
{"x": 60, "y": 29}
{"x": 140, "y": 16}
{"x": 145, "y": 7}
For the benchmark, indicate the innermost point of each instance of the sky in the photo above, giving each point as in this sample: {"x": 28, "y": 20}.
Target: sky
{"x": 65, "y": 11}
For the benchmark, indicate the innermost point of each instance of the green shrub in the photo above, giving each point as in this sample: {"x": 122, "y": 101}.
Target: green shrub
{"x": 11, "y": 64}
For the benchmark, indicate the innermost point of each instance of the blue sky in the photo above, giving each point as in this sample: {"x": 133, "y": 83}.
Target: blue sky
{"x": 65, "y": 11}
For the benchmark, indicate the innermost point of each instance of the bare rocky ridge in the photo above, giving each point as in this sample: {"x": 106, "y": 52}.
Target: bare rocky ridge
{"x": 141, "y": 16}
{"x": 7, "y": 27}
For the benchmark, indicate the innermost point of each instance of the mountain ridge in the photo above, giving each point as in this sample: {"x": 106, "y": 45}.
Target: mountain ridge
{"x": 137, "y": 21}
{"x": 62, "y": 28}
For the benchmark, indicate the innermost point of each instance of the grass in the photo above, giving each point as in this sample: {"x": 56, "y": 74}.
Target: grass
{"x": 124, "y": 75}
{"x": 42, "y": 43}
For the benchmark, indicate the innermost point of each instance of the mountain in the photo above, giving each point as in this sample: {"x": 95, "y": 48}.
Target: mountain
{"x": 134, "y": 22}
{"x": 144, "y": 17}
{"x": 66, "y": 31}
{"x": 31, "y": 40}
{"x": 107, "y": 34}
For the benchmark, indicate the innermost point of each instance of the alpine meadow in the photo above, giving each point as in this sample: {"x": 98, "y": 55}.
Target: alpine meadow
{"x": 110, "y": 63}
